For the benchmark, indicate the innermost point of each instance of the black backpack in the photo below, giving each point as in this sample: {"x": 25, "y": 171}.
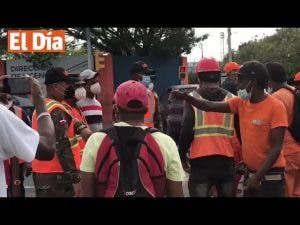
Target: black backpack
{"x": 294, "y": 128}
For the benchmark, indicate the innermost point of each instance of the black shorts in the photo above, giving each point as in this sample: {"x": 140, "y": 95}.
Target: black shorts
{"x": 212, "y": 169}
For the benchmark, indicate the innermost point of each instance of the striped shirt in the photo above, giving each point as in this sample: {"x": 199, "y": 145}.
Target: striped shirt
{"x": 91, "y": 109}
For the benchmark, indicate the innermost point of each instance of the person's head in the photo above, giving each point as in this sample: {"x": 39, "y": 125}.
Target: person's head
{"x": 296, "y": 81}
{"x": 89, "y": 84}
{"x": 140, "y": 72}
{"x": 231, "y": 69}
{"x": 59, "y": 84}
{"x": 208, "y": 71}
{"x": 131, "y": 101}
{"x": 277, "y": 74}
{"x": 253, "y": 78}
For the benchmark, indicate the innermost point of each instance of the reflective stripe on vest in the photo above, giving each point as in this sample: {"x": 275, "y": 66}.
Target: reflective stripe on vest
{"x": 149, "y": 116}
{"x": 202, "y": 129}
{"x": 213, "y": 133}
{"x": 54, "y": 166}
{"x": 75, "y": 112}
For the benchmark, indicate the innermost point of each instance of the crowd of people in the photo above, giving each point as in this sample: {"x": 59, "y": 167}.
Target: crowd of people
{"x": 232, "y": 133}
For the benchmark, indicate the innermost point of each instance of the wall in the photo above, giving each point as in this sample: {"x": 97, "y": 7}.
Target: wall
{"x": 167, "y": 70}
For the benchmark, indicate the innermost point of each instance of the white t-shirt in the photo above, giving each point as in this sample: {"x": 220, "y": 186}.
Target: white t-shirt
{"x": 16, "y": 139}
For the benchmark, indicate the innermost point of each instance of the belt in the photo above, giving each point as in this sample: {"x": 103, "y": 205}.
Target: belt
{"x": 270, "y": 177}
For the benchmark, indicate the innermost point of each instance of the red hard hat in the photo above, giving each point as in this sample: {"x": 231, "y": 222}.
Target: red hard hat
{"x": 208, "y": 65}
{"x": 297, "y": 77}
{"x": 131, "y": 90}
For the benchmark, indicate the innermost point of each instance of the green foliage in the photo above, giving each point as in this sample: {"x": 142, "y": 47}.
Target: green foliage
{"x": 118, "y": 41}
{"x": 193, "y": 78}
{"x": 283, "y": 47}
{"x": 141, "y": 41}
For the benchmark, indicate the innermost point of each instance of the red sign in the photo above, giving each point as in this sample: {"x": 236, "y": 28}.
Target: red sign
{"x": 182, "y": 69}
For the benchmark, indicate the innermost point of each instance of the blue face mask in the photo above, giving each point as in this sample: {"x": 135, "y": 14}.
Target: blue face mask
{"x": 242, "y": 93}
{"x": 146, "y": 80}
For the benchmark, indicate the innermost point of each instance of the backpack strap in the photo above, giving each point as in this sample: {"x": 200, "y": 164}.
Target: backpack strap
{"x": 112, "y": 136}
{"x": 151, "y": 130}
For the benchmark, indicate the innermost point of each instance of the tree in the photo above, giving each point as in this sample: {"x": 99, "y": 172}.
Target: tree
{"x": 141, "y": 41}
{"x": 118, "y": 41}
{"x": 193, "y": 78}
{"x": 283, "y": 47}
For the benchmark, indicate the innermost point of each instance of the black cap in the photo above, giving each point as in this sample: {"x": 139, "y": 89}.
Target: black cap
{"x": 141, "y": 68}
{"x": 254, "y": 70}
{"x": 57, "y": 74}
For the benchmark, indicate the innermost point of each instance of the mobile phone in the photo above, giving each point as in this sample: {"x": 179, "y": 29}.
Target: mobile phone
{"x": 16, "y": 86}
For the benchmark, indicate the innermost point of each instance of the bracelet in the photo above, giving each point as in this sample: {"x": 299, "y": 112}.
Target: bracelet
{"x": 17, "y": 182}
{"x": 43, "y": 114}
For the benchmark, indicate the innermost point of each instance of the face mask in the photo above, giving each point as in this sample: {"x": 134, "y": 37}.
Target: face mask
{"x": 242, "y": 93}
{"x": 80, "y": 93}
{"x": 69, "y": 92}
{"x": 146, "y": 80}
{"x": 151, "y": 86}
{"x": 269, "y": 90}
{"x": 95, "y": 88}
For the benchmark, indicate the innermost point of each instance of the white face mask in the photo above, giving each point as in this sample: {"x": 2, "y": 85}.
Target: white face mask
{"x": 146, "y": 80}
{"x": 151, "y": 86}
{"x": 269, "y": 91}
{"x": 243, "y": 93}
{"x": 80, "y": 93}
{"x": 95, "y": 88}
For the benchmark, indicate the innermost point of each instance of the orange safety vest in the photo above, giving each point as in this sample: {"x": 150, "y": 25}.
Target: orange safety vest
{"x": 213, "y": 132}
{"x": 79, "y": 117}
{"x": 54, "y": 166}
{"x": 149, "y": 116}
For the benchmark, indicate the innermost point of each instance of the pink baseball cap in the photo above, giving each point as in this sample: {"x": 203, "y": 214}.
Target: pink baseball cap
{"x": 131, "y": 91}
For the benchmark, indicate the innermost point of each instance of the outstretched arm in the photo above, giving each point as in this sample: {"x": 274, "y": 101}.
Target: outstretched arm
{"x": 203, "y": 104}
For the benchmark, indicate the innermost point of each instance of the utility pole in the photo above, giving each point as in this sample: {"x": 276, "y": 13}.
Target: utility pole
{"x": 201, "y": 45}
{"x": 229, "y": 45}
{"x": 89, "y": 49}
{"x": 222, "y": 45}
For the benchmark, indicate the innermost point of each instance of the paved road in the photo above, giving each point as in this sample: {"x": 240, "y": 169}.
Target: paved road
{"x": 29, "y": 187}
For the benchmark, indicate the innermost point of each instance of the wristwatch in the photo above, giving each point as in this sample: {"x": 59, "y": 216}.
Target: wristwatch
{"x": 17, "y": 182}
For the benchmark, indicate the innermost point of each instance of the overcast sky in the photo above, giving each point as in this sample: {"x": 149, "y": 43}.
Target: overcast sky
{"x": 213, "y": 45}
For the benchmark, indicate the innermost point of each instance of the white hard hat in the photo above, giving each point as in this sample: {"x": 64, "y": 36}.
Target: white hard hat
{"x": 87, "y": 74}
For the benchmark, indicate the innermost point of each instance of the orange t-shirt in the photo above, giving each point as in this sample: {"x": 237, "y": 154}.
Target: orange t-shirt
{"x": 256, "y": 122}
{"x": 290, "y": 146}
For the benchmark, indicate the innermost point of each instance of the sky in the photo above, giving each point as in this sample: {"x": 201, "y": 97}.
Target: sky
{"x": 213, "y": 46}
